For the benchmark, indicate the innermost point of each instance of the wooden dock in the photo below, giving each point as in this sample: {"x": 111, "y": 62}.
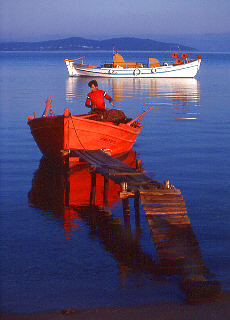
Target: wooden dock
{"x": 178, "y": 251}
{"x": 112, "y": 168}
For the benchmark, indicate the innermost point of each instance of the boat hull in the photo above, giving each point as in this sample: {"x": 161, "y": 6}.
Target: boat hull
{"x": 186, "y": 70}
{"x": 56, "y": 133}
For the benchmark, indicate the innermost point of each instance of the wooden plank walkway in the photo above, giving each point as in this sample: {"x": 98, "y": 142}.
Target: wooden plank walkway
{"x": 113, "y": 168}
{"x": 177, "y": 247}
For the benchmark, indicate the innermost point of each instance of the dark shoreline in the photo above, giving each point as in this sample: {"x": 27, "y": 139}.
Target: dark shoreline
{"x": 218, "y": 309}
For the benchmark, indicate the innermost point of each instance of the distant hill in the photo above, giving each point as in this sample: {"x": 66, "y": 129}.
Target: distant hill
{"x": 210, "y": 42}
{"x": 77, "y": 43}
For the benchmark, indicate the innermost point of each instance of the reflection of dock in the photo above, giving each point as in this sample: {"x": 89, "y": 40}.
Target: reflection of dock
{"x": 118, "y": 239}
{"x": 88, "y": 192}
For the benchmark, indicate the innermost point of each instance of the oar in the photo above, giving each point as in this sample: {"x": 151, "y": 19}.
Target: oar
{"x": 140, "y": 116}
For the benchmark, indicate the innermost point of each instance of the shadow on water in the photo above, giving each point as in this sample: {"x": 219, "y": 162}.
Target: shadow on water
{"x": 67, "y": 197}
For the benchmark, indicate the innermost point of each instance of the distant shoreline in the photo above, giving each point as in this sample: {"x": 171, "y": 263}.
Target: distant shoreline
{"x": 82, "y": 44}
{"x": 110, "y": 51}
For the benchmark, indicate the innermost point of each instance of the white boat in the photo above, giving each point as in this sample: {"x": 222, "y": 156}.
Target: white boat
{"x": 183, "y": 67}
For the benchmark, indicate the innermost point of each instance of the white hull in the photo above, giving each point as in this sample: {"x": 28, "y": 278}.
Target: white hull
{"x": 186, "y": 70}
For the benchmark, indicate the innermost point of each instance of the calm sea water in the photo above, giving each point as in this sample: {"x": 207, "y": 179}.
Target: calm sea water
{"x": 55, "y": 258}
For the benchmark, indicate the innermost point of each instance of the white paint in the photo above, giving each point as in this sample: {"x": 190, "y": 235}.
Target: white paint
{"x": 187, "y": 70}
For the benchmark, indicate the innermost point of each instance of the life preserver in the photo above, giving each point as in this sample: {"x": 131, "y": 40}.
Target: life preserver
{"x": 165, "y": 64}
{"x": 175, "y": 55}
{"x": 111, "y": 71}
{"x": 153, "y": 70}
{"x": 137, "y": 72}
{"x": 184, "y": 55}
{"x": 179, "y": 61}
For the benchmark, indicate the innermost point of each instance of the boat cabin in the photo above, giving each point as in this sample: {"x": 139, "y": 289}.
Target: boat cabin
{"x": 118, "y": 61}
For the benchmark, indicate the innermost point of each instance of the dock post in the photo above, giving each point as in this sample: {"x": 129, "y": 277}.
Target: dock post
{"x": 137, "y": 210}
{"x": 106, "y": 191}
{"x": 125, "y": 203}
{"x": 126, "y": 214}
{"x": 136, "y": 203}
{"x": 93, "y": 187}
{"x": 138, "y": 165}
{"x": 166, "y": 184}
{"x": 66, "y": 164}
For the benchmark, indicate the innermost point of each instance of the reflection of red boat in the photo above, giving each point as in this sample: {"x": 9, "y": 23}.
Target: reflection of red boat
{"x": 55, "y": 133}
{"x": 52, "y": 191}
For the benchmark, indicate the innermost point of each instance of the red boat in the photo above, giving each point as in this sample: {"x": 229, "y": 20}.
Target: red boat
{"x": 55, "y": 134}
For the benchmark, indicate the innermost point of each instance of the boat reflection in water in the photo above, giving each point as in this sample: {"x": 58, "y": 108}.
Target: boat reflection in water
{"x": 66, "y": 195}
{"x": 182, "y": 95}
{"x": 68, "y": 198}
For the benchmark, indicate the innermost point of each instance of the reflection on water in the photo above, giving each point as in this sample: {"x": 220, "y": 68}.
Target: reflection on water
{"x": 40, "y": 268}
{"x": 182, "y": 95}
{"x": 54, "y": 191}
{"x": 67, "y": 197}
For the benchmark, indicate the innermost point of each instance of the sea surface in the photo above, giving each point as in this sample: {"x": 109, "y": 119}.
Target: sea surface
{"x": 54, "y": 257}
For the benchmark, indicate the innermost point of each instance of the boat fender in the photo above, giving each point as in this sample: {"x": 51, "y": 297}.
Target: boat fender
{"x": 137, "y": 72}
{"x": 153, "y": 70}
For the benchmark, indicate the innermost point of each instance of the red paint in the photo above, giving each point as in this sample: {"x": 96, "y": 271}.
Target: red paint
{"x": 175, "y": 55}
{"x": 56, "y": 133}
{"x": 184, "y": 55}
{"x": 179, "y": 61}
{"x": 97, "y": 99}
{"x": 53, "y": 192}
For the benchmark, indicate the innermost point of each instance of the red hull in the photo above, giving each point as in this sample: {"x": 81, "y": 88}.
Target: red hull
{"x": 55, "y": 133}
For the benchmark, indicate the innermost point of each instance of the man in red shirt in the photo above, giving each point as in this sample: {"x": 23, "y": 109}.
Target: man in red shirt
{"x": 96, "y": 98}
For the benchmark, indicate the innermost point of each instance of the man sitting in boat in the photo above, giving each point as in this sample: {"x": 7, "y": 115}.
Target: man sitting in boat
{"x": 96, "y": 101}
{"x": 96, "y": 98}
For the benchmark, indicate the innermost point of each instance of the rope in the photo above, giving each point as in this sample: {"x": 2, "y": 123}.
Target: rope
{"x": 77, "y": 134}
{"x": 89, "y": 155}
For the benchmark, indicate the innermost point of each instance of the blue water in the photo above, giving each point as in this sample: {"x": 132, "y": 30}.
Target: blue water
{"x": 185, "y": 138}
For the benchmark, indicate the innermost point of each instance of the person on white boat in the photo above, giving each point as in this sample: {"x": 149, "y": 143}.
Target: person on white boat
{"x": 96, "y": 98}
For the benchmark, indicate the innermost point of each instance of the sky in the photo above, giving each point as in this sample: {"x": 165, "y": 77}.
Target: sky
{"x": 100, "y": 19}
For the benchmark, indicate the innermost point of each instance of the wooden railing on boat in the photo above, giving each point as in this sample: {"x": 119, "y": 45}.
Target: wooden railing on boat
{"x": 74, "y": 59}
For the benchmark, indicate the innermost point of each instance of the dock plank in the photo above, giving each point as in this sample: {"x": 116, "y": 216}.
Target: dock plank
{"x": 113, "y": 168}
{"x": 163, "y": 202}
{"x": 177, "y": 247}
{"x": 160, "y": 192}
{"x": 165, "y": 210}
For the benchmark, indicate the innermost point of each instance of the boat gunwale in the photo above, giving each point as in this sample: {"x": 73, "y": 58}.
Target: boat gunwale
{"x": 128, "y": 128}
{"x": 162, "y": 71}
{"x": 136, "y": 67}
